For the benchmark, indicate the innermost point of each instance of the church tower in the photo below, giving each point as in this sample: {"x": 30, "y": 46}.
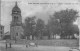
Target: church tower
{"x": 16, "y": 29}
{"x": 16, "y": 15}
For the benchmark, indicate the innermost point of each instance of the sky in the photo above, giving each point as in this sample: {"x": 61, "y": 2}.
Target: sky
{"x": 39, "y": 10}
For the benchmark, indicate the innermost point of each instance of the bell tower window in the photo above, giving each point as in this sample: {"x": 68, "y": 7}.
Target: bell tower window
{"x": 16, "y": 34}
{"x": 15, "y": 18}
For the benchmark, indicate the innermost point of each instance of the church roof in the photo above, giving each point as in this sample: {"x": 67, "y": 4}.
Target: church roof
{"x": 16, "y": 8}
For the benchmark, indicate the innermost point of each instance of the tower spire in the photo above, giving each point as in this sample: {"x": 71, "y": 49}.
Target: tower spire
{"x": 16, "y": 9}
{"x": 16, "y": 3}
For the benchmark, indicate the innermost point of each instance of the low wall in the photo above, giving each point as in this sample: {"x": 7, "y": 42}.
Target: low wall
{"x": 55, "y": 42}
{"x": 67, "y": 43}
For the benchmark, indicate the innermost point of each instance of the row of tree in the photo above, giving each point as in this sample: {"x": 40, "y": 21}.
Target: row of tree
{"x": 60, "y": 23}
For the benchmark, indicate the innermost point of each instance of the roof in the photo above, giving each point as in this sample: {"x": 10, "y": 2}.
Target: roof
{"x": 16, "y": 8}
{"x": 7, "y": 33}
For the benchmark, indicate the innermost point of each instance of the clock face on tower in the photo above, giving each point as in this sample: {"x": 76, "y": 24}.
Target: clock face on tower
{"x": 15, "y": 12}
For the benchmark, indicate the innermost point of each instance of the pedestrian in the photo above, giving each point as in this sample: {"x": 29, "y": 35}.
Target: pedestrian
{"x": 10, "y": 44}
{"x": 6, "y": 45}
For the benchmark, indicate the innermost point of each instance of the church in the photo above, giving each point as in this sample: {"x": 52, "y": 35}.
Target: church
{"x": 16, "y": 29}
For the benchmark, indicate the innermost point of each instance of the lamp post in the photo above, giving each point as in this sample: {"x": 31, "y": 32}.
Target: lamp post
{"x": 15, "y": 39}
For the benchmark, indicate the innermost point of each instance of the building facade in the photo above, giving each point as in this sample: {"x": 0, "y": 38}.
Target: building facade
{"x": 1, "y": 31}
{"x": 16, "y": 29}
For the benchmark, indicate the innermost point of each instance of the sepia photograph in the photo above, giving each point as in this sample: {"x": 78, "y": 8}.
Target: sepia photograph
{"x": 39, "y": 25}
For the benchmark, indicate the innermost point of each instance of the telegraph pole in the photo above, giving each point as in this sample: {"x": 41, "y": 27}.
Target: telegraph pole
{"x": 0, "y": 12}
{"x": 78, "y": 23}
{"x": 0, "y": 18}
{"x": 79, "y": 31}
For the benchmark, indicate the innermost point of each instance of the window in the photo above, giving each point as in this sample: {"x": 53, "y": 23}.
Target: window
{"x": 1, "y": 32}
{"x": 16, "y": 18}
{"x": 0, "y": 28}
{"x": 16, "y": 34}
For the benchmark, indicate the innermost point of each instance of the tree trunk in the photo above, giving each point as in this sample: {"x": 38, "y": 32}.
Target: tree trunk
{"x": 32, "y": 37}
{"x": 40, "y": 38}
{"x": 53, "y": 36}
{"x": 65, "y": 36}
{"x": 48, "y": 36}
